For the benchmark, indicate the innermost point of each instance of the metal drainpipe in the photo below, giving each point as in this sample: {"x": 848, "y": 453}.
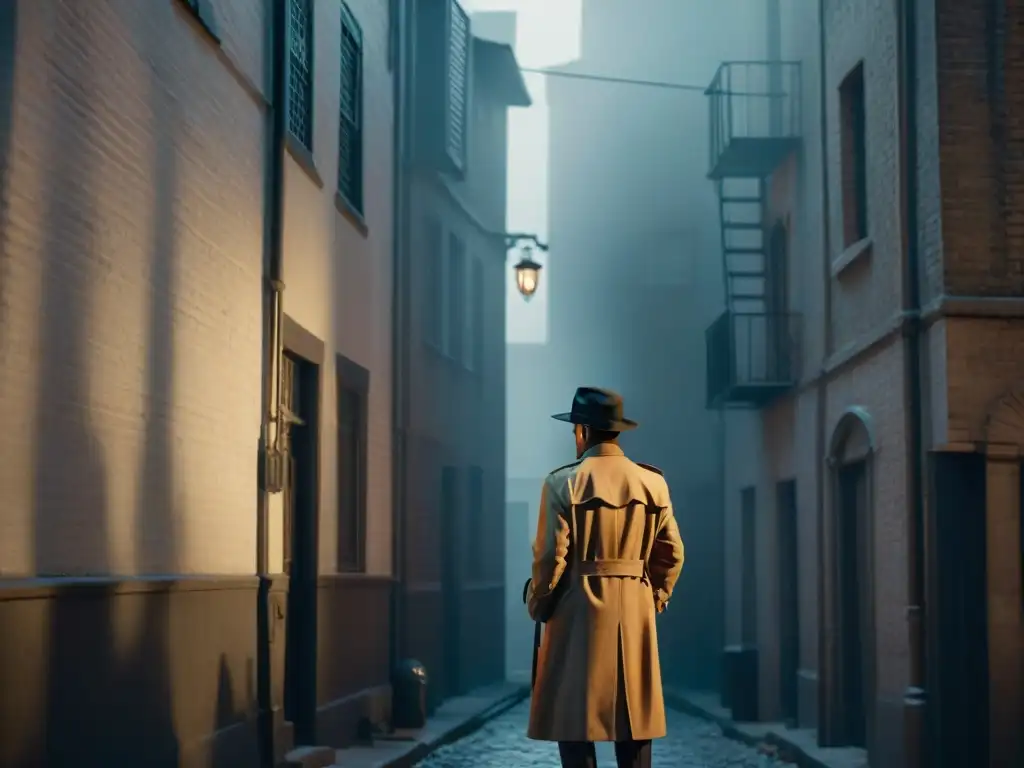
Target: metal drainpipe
{"x": 823, "y": 477}
{"x": 402, "y": 98}
{"x": 273, "y": 288}
{"x": 914, "y": 397}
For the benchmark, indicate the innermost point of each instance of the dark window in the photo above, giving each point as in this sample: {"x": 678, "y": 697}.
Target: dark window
{"x": 353, "y": 391}
{"x": 300, "y": 71}
{"x": 456, "y": 300}
{"x": 458, "y": 84}
{"x": 853, "y": 149}
{"x": 475, "y": 356}
{"x": 476, "y": 528}
{"x": 434, "y": 282}
{"x": 350, "y": 124}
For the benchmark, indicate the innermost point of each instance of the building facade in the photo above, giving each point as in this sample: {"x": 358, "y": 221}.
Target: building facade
{"x": 330, "y": 531}
{"x": 873, "y": 501}
{"x": 152, "y": 611}
{"x": 453, "y": 383}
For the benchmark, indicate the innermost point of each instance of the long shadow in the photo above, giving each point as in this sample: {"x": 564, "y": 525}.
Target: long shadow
{"x": 109, "y": 695}
{"x": 8, "y": 71}
{"x": 70, "y": 483}
{"x": 157, "y": 536}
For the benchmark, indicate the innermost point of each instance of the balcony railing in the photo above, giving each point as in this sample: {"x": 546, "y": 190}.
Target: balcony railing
{"x": 755, "y": 117}
{"x": 751, "y": 358}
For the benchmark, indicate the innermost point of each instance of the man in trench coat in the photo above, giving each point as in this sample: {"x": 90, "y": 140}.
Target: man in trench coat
{"x": 605, "y": 560}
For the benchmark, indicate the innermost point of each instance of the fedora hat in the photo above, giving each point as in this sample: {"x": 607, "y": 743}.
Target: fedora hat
{"x": 598, "y": 409}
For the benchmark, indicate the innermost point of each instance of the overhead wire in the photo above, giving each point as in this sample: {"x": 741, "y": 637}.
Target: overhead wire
{"x": 703, "y": 89}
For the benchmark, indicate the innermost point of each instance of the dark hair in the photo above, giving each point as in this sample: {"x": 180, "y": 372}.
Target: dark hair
{"x": 601, "y": 435}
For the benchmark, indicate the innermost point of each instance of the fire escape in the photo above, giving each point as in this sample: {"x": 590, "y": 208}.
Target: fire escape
{"x": 753, "y": 346}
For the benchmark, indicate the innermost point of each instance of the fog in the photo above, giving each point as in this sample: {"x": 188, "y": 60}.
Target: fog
{"x": 632, "y": 279}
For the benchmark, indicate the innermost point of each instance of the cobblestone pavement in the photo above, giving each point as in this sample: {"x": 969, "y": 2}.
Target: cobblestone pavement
{"x": 502, "y": 743}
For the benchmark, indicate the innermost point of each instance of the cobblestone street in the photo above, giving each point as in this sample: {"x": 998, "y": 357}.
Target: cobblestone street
{"x": 502, "y": 743}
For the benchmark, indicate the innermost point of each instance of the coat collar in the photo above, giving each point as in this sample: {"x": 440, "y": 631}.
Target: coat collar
{"x": 603, "y": 449}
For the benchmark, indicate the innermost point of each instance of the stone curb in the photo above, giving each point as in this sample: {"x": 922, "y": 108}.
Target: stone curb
{"x": 460, "y": 731}
{"x": 732, "y": 731}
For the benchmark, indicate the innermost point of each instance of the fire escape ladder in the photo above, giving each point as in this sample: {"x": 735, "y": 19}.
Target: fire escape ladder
{"x": 740, "y": 207}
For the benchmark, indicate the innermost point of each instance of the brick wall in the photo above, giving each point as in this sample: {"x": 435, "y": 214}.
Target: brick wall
{"x": 130, "y": 290}
{"x": 867, "y": 294}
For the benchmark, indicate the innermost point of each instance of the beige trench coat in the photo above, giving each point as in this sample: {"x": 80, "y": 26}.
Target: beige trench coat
{"x": 606, "y": 526}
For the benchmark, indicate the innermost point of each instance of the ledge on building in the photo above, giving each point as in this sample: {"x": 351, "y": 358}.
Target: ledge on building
{"x": 304, "y": 158}
{"x": 351, "y": 214}
{"x": 794, "y": 745}
{"x": 853, "y": 254}
{"x": 456, "y": 718}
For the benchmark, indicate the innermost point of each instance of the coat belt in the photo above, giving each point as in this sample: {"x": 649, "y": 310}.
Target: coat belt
{"x": 623, "y": 568}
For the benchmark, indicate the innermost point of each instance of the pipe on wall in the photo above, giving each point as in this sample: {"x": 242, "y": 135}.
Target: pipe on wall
{"x": 402, "y": 95}
{"x": 821, "y": 414}
{"x": 276, "y": 37}
{"x": 914, "y": 394}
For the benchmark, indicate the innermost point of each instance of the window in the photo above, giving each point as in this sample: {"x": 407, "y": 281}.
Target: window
{"x": 443, "y": 52}
{"x": 476, "y": 530}
{"x": 300, "y": 71}
{"x": 353, "y": 391}
{"x": 475, "y": 329}
{"x": 350, "y": 123}
{"x": 458, "y": 84}
{"x": 853, "y": 151}
{"x": 456, "y": 299}
{"x": 433, "y": 301}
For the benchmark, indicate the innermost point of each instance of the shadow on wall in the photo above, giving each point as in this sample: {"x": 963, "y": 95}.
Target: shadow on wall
{"x": 8, "y": 54}
{"x": 108, "y": 692}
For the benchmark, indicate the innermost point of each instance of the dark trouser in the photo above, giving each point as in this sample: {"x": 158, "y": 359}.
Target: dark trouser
{"x": 628, "y": 754}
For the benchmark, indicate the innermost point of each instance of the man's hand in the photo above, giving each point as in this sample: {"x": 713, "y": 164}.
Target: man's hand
{"x": 660, "y": 600}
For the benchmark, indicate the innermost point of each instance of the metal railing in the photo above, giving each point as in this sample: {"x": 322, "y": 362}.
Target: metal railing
{"x": 753, "y": 351}
{"x": 753, "y": 100}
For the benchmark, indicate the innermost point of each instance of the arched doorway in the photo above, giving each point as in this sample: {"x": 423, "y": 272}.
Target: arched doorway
{"x": 849, "y": 626}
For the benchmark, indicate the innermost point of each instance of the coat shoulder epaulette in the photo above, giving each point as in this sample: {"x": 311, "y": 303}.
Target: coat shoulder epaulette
{"x": 650, "y": 467}
{"x": 565, "y": 466}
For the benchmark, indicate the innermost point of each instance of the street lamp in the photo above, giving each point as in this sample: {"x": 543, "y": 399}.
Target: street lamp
{"x": 527, "y": 270}
{"x": 527, "y": 273}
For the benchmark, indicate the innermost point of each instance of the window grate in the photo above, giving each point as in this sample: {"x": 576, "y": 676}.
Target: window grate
{"x": 350, "y": 122}
{"x": 300, "y": 71}
{"x": 458, "y": 82}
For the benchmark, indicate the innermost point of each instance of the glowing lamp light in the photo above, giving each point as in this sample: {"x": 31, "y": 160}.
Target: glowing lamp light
{"x": 527, "y": 273}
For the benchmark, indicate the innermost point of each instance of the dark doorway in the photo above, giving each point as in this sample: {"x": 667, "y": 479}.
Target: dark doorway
{"x": 451, "y": 580}
{"x": 958, "y": 609}
{"x": 748, "y": 545}
{"x": 853, "y": 576}
{"x": 300, "y": 384}
{"x": 789, "y": 600}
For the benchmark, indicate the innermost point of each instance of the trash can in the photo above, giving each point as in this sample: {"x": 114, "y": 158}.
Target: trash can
{"x": 409, "y": 695}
